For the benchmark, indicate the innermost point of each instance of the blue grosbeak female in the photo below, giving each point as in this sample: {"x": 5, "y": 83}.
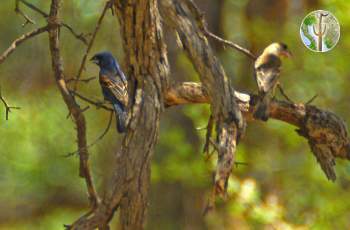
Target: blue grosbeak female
{"x": 267, "y": 70}
{"x": 114, "y": 86}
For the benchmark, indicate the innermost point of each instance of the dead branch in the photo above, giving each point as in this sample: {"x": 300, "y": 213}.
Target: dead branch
{"x": 19, "y": 40}
{"x": 92, "y": 102}
{"x": 73, "y": 107}
{"x": 199, "y": 15}
{"x": 20, "y": 12}
{"x": 100, "y": 137}
{"x": 34, "y": 8}
{"x": 79, "y": 36}
{"x": 85, "y": 80}
{"x": 228, "y": 119}
{"x": 7, "y": 106}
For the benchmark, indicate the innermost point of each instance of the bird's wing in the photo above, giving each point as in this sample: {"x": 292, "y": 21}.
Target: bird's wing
{"x": 116, "y": 87}
{"x": 267, "y": 70}
{"x": 267, "y": 78}
{"x": 119, "y": 72}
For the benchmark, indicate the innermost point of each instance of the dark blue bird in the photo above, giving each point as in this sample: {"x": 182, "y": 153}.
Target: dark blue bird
{"x": 114, "y": 86}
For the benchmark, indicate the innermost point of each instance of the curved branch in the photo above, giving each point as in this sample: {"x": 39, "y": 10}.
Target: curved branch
{"x": 20, "y": 40}
{"x": 227, "y": 117}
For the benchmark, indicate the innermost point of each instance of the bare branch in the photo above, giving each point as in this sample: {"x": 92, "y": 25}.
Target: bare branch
{"x": 79, "y": 36}
{"x": 77, "y": 114}
{"x": 203, "y": 25}
{"x": 95, "y": 103}
{"x": 230, "y": 44}
{"x": 228, "y": 119}
{"x": 26, "y": 17}
{"x": 19, "y": 40}
{"x": 7, "y": 106}
{"x": 86, "y": 80}
{"x": 33, "y": 7}
{"x": 98, "y": 138}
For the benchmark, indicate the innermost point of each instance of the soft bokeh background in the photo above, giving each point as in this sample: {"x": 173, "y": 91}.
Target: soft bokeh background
{"x": 281, "y": 187}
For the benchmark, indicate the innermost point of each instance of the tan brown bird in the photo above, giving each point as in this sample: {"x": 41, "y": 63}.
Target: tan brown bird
{"x": 267, "y": 70}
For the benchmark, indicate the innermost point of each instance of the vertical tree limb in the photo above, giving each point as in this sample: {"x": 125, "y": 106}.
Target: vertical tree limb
{"x": 73, "y": 107}
{"x": 177, "y": 14}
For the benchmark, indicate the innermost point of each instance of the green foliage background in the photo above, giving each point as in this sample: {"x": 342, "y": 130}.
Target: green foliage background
{"x": 282, "y": 187}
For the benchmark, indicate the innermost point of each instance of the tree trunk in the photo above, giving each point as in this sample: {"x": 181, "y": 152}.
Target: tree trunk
{"x": 146, "y": 59}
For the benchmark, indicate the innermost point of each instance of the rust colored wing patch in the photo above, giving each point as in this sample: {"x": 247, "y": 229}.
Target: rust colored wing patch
{"x": 117, "y": 87}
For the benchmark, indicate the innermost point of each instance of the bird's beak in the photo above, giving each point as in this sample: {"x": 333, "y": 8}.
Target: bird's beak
{"x": 287, "y": 54}
{"x": 94, "y": 60}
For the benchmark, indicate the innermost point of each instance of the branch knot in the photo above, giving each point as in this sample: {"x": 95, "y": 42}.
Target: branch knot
{"x": 53, "y": 21}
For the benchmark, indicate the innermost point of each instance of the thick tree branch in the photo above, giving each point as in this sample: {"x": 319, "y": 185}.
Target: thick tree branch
{"x": 326, "y": 133}
{"x": 73, "y": 108}
{"x": 225, "y": 111}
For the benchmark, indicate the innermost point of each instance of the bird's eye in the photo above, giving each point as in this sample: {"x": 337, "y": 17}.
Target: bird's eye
{"x": 95, "y": 60}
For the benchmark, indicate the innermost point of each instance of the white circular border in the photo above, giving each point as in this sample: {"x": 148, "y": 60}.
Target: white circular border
{"x": 300, "y": 31}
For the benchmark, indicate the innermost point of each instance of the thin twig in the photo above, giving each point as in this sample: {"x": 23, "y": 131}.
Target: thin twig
{"x": 238, "y": 163}
{"x": 231, "y": 44}
{"x": 283, "y": 93}
{"x": 7, "y": 106}
{"x": 210, "y": 126}
{"x": 85, "y": 80}
{"x": 202, "y": 24}
{"x": 33, "y": 7}
{"x": 103, "y": 134}
{"x": 91, "y": 42}
{"x": 19, "y": 40}
{"x": 79, "y": 36}
{"x": 311, "y": 100}
{"x": 97, "y": 104}
{"x": 26, "y": 17}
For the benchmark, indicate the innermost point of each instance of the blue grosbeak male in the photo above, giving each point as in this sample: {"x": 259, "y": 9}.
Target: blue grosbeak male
{"x": 267, "y": 70}
{"x": 114, "y": 86}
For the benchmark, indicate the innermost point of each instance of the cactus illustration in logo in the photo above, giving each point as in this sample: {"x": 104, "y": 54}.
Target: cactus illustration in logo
{"x": 320, "y": 31}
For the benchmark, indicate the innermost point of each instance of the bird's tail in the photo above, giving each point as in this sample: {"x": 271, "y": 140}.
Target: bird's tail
{"x": 262, "y": 108}
{"x": 121, "y": 116}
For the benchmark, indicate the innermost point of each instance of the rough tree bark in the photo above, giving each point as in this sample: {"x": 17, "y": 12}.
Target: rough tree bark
{"x": 146, "y": 59}
{"x": 226, "y": 113}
